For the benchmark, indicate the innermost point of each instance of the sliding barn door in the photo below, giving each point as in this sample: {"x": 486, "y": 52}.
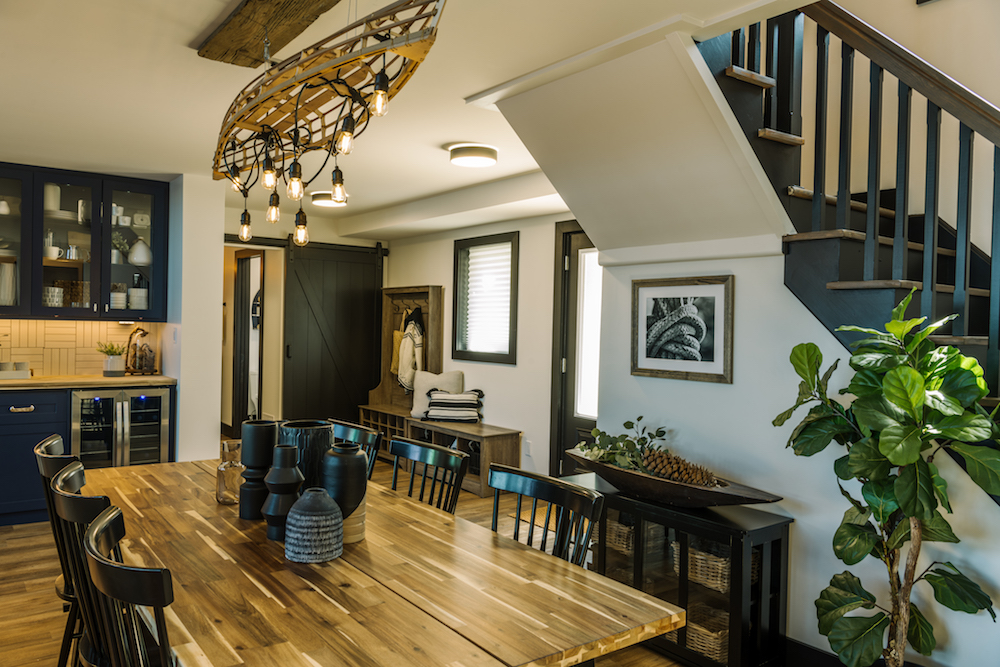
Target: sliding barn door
{"x": 332, "y": 302}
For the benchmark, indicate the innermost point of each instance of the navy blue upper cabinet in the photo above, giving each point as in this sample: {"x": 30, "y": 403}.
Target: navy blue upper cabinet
{"x": 15, "y": 241}
{"x": 94, "y": 246}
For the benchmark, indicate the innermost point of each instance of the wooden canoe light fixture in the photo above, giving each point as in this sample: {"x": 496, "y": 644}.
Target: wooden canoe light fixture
{"x": 320, "y": 99}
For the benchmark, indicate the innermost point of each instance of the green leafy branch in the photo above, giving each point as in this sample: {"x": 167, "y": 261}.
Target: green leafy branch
{"x": 626, "y": 449}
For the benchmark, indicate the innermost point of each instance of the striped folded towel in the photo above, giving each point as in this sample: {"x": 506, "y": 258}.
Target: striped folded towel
{"x": 447, "y": 407}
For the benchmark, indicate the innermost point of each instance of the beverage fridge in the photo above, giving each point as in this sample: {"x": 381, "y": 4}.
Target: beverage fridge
{"x": 121, "y": 427}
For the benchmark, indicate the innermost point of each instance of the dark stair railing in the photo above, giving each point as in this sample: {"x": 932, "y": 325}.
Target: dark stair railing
{"x": 976, "y": 116}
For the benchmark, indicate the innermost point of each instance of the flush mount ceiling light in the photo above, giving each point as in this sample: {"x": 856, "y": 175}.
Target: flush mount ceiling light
{"x": 321, "y": 99}
{"x": 473, "y": 155}
{"x": 325, "y": 199}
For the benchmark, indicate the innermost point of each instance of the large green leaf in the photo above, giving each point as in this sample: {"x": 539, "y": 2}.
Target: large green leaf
{"x": 881, "y": 498}
{"x": 864, "y": 383}
{"x": 805, "y": 395}
{"x": 845, "y": 593}
{"x": 842, "y": 467}
{"x": 855, "y": 538}
{"x": 938, "y": 530}
{"x": 859, "y": 640}
{"x": 900, "y": 535}
{"x": 877, "y": 413}
{"x": 940, "y": 486}
{"x": 814, "y": 437}
{"x": 956, "y": 591}
{"x": 946, "y": 405}
{"x": 900, "y": 310}
{"x": 983, "y": 465}
{"x": 824, "y": 381}
{"x": 899, "y": 328}
{"x": 866, "y": 461}
{"x": 927, "y": 331}
{"x": 901, "y": 443}
{"x": 905, "y": 387}
{"x": 915, "y": 491}
{"x": 962, "y": 385}
{"x": 920, "y": 633}
{"x": 876, "y": 361}
{"x": 939, "y": 361}
{"x": 806, "y": 360}
{"x": 964, "y": 428}
{"x": 857, "y": 329}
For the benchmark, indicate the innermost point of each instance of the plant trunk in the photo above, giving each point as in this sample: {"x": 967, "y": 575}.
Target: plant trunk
{"x": 896, "y": 651}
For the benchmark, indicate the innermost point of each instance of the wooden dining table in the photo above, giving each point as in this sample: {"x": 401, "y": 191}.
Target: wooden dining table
{"x": 423, "y": 588}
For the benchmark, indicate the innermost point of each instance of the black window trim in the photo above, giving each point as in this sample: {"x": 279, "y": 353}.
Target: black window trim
{"x": 510, "y": 357}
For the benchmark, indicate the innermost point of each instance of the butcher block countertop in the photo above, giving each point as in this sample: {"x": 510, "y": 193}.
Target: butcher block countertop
{"x": 85, "y": 382}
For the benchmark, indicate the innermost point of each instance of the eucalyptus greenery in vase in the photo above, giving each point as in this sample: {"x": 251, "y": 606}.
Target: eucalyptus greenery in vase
{"x": 912, "y": 400}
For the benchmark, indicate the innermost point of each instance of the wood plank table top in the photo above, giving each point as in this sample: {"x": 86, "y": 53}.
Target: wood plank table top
{"x": 423, "y": 588}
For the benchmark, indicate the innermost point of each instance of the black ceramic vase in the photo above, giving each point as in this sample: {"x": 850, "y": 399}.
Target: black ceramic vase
{"x": 283, "y": 481}
{"x": 312, "y": 437}
{"x": 314, "y": 530}
{"x": 345, "y": 478}
{"x": 256, "y": 453}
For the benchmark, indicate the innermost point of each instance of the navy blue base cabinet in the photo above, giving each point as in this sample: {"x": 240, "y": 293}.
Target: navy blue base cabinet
{"x": 27, "y": 418}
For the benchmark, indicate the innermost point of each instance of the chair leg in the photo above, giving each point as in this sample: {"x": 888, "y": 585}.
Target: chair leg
{"x": 69, "y": 633}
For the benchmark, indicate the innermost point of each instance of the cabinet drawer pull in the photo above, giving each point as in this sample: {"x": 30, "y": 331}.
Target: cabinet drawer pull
{"x": 27, "y": 408}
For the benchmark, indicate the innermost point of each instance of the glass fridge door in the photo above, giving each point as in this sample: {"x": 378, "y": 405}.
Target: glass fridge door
{"x": 96, "y": 427}
{"x": 147, "y": 426}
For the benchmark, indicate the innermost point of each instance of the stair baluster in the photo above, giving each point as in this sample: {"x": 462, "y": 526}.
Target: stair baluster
{"x": 846, "y": 115}
{"x": 929, "y": 274}
{"x": 900, "y": 237}
{"x": 963, "y": 240}
{"x": 819, "y": 168}
{"x": 870, "y": 271}
{"x": 993, "y": 347}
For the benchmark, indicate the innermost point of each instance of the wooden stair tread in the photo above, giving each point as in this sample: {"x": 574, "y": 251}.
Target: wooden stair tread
{"x": 855, "y": 235}
{"x": 955, "y": 341}
{"x": 800, "y": 192}
{"x": 900, "y": 284}
{"x": 749, "y": 76}
{"x": 781, "y": 137}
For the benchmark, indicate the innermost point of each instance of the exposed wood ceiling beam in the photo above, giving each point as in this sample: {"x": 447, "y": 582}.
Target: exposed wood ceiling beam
{"x": 239, "y": 39}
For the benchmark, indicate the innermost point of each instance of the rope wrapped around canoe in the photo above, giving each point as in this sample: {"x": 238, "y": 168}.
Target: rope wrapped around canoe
{"x": 677, "y": 334}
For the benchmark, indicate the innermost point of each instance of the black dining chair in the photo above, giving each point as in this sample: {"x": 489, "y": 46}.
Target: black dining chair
{"x": 571, "y": 511}
{"x": 74, "y": 514}
{"x": 368, "y": 439}
{"x": 51, "y": 458}
{"x": 120, "y": 588}
{"x": 443, "y": 471}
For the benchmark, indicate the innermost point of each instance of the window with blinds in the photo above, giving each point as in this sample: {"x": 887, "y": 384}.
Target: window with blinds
{"x": 485, "y": 299}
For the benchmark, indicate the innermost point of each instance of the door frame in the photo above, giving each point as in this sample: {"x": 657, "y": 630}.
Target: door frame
{"x": 242, "y": 306}
{"x": 560, "y": 333}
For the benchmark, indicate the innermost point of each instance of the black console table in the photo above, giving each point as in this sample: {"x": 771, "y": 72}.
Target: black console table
{"x": 727, "y": 566}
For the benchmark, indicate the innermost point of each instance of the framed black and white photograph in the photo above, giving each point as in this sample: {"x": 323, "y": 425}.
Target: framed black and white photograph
{"x": 682, "y": 328}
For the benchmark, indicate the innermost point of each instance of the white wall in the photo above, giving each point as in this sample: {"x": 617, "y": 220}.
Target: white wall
{"x": 728, "y": 428}
{"x": 190, "y": 340}
{"x": 517, "y": 396}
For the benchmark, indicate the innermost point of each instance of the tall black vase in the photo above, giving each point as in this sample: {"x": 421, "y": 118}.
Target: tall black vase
{"x": 257, "y": 452}
{"x": 283, "y": 481}
{"x": 345, "y": 478}
{"x": 312, "y": 437}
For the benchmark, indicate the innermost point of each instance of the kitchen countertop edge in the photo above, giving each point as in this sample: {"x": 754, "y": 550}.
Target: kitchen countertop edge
{"x": 85, "y": 381}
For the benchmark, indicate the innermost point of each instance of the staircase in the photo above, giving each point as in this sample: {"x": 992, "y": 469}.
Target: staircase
{"x": 856, "y": 254}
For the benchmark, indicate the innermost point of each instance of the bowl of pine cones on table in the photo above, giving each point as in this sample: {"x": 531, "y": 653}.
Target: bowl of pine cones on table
{"x": 639, "y": 466}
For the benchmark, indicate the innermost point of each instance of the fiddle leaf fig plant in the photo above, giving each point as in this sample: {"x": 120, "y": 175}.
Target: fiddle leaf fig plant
{"x": 911, "y": 401}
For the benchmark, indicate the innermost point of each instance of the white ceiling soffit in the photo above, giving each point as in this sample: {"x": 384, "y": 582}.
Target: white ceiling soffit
{"x": 528, "y": 195}
{"x": 645, "y": 151}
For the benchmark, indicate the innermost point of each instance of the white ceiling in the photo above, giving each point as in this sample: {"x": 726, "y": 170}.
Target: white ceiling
{"x": 116, "y": 86}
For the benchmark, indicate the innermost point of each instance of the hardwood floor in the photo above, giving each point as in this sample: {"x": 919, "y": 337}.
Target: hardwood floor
{"x": 32, "y": 619}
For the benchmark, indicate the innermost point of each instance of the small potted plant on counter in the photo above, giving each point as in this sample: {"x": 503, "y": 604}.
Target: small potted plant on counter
{"x": 114, "y": 362}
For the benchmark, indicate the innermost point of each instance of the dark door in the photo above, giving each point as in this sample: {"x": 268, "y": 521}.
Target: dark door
{"x": 248, "y": 330}
{"x": 332, "y": 303}
{"x": 574, "y": 400}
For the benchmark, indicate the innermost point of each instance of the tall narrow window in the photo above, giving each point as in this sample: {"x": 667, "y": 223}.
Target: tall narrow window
{"x": 485, "y": 302}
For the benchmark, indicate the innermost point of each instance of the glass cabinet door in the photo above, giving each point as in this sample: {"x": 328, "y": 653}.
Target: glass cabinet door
{"x": 67, "y": 246}
{"x": 15, "y": 242}
{"x": 134, "y": 224}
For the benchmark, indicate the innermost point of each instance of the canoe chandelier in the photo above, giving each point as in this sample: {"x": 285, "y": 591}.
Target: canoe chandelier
{"x": 320, "y": 99}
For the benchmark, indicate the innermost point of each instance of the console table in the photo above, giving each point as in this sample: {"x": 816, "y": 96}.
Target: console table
{"x": 727, "y": 566}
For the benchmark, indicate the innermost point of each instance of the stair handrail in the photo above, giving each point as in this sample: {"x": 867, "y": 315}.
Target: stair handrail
{"x": 947, "y": 93}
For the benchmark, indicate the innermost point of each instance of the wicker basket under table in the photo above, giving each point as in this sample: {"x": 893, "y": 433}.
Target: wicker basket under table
{"x": 707, "y": 632}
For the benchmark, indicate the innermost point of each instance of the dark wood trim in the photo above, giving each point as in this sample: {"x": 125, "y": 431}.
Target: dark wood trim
{"x": 256, "y": 241}
{"x": 559, "y": 313}
{"x": 492, "y": 357}
{"x": 976, "y": 112}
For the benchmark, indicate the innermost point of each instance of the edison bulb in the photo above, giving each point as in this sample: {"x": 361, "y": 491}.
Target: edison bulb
{"x": 301, "y": 235}
{"x": 339, "y": 193}
{"x": 380, "y": 103}
{"x": 295, "y": 189}
{"x": 245, "y": 234}
{"x": 345, "y": 142}
{"x": 273, "y": 212}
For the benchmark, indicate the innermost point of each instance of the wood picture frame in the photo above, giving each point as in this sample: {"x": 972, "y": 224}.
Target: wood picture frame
{"x": 682, "y": 328}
